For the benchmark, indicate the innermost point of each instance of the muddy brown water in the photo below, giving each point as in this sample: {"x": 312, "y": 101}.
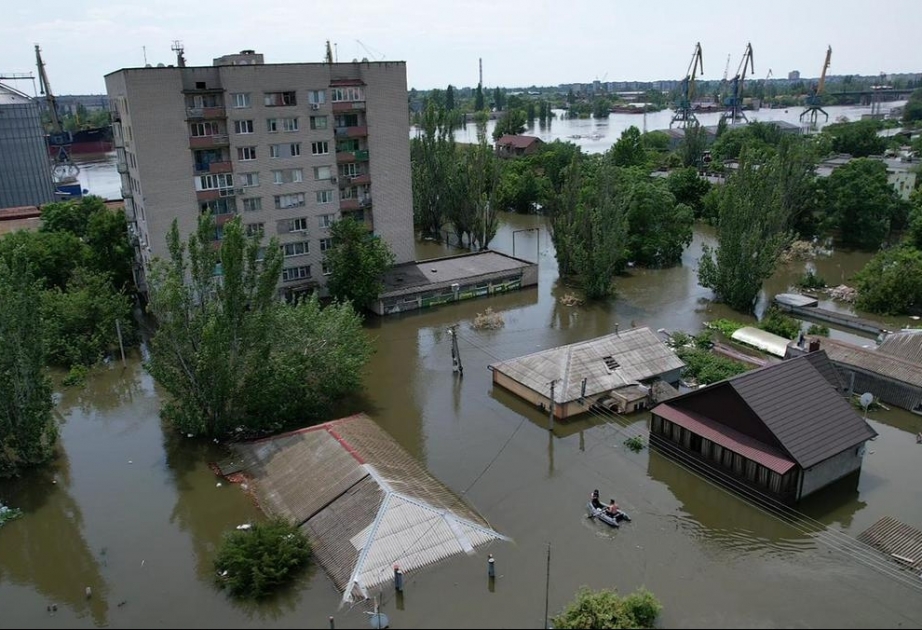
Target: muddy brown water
{"x": 135, "y": 513}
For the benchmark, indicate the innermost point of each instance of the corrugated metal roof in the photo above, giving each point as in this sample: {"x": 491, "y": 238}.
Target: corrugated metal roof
{"x": 438, "y": 273}
{"x": 365, "y": 502}
{"x": 906, "y": 345}
{"x": 761, "y": 339}
{"x": 748, "y": 447}
{"x": 795, "y": 299}
{"x": 802, "y": 409}
{"x": 874, "y": 361}
{"x": 639, "y": 354}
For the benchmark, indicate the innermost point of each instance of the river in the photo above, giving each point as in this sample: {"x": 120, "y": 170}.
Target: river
{"x": 135, "y": 513}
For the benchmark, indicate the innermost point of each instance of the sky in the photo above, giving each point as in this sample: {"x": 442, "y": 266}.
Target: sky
{"x": 522, "y": 42}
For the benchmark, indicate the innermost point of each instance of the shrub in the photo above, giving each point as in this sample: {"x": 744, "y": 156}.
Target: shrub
{"x": 820, "y": 330}
{"x": 707, "y": 368}
{"x": 253, "y": 562}
{"x": 811, "y": 281}
{"x": 605, "y": 609}
{"x": 679, "y": 339}
{"x": 76, "y": 376}
{"x": 8, "y": 514}
{"x": 635, "y": 443}
{"x": 726, "y": 327}
{"x": 776, "y": 322}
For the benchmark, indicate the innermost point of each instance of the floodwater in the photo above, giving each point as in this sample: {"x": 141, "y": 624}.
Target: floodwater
{"x": 136, "y": 513}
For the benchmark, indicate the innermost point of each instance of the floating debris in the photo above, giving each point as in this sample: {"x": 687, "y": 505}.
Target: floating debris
{"x": 8, "y": 514}
{"x": 570, "y": 299}
{"x": 488, "y": 320}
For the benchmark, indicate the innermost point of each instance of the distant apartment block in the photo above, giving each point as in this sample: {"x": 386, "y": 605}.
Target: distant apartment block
{"x": 794, "y": 75}
{"x": 290, "y": 148}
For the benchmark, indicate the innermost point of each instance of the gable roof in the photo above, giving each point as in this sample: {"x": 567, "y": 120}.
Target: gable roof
{"x": 365, "y": 502}
{"x": 800, "y": 405}
{"x": 517, "y": 141}
{"x": 638, "y": 353}
{"x": 875, "y": 361}
{"x": 906, "y": 345}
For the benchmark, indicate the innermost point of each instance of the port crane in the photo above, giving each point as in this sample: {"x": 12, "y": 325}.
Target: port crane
{"x": 814, "y": 107}
{"x": 59, "y": 138}
{"x": 734, "y": 102}
{"x": 684, "y": 109}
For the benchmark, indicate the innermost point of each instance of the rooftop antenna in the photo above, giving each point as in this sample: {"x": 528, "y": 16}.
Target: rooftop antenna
{"x": 481, "y": 70}
{"x": 328, "y": 57}
{"x": 144, "y": 48}
{"x": 177, "y": 47}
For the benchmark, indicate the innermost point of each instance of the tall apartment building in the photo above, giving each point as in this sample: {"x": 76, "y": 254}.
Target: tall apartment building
{"x": 291, "y": 148}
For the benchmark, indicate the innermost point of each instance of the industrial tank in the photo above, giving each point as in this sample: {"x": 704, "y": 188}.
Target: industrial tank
{"x": 25, "y": 169}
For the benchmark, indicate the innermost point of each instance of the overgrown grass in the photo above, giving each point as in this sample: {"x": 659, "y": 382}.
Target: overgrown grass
{"x": 776, "y": 322}
{"x": 820, "y": 330}
{"x": 726, "y": 327}
{"x": 811, "y": 281}
{"x": 707, "y": 368}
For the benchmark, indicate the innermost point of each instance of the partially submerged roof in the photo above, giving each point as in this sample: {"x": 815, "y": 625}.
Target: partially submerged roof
{"x": 441, "y": 272}
{"x": 517, "y": 141}
{"x": 906, "y": 345}
{"x": 795, "y": 299}
{"x": 624, "y": 358}
{"x": 365, "y": 502}
{"x": 798, "y": 404}
{"x": 874, "y": 361}
{"x": 761, "y": 339}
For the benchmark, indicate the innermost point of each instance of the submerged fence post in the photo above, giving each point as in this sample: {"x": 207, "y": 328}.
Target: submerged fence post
{"x": 491, "y": 566}
{"x": 398, "y": 579}
{"x": 332, "y": 623}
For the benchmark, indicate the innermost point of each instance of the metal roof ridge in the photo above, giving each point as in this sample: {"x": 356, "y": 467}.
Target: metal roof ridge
{"x": 360, "y": 563}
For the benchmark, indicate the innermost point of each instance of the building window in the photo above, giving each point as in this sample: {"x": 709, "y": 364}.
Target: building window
{"x": 279, "y": 99}
{"x": 295, "y": 200}
{"x": 248, "y": 180}
{"x": 298, "y": 225}
{"x": 320, "y": 148}
{"x": 208, "y": 128}
{"x": 225, "y": 205}
{"x": 326, "y": 220}
{"x": 294, "y": 149}
{"x": 318, "y": 122}
{"x": 275, "y": 150}
{"x": 348, "y": 94}
{"x": 326, "y": 244}
{"x": 272, "y": 125}
{"x": 289, "y": 124}
{"x": 295, "y": 249}
{"x": 322, "y": 172}
{"x": 317, "y": 97}
{"x": 325, "y": 196}
{"x": 252, "y": 204}
{"x": 296, "y": 273}
{"x": 214, "y": 182}
{"x": 326, "y": 268}
{"x": 288, "y": 176}
{"x": 255, "y": 229}
{"x": 241, "y": 100}
{"x": 349, "y": 170}
{"x": 243, "y": 126}
{"x": 245, "y": 154}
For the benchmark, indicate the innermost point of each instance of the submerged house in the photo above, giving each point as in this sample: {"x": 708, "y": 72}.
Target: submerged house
{"x": 786, "y": 429}
{"x": 617, "y": 370}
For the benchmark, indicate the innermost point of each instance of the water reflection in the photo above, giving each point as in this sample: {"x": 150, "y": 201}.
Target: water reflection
{"x": 45, "y": 549}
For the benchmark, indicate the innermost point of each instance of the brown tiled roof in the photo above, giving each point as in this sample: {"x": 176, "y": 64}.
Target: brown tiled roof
{"x": 517, "y": 142}
{"x": 802, "y": 409}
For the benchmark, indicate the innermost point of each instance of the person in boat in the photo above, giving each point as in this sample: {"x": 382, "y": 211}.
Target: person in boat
{"x": 612, "y": 509}
{"x": 594, "y": 500}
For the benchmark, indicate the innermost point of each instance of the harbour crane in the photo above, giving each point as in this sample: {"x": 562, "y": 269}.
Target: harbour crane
{"x": 734, "y": 102}
{"x": 59, "y": 138}
{"x": 684, "y": 110}
{"x": 814, "y": 107}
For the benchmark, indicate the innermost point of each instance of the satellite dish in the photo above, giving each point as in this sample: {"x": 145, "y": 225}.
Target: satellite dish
{"x": 866, "y": 399}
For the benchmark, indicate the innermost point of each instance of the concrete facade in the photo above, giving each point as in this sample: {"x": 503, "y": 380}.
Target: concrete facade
{"x": 25, "y": 169}
{"x": 833, "y": 469}
{"x": 290, "y": 148}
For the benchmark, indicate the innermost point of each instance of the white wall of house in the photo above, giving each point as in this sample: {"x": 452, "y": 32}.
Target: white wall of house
{"x": 830, "y": 470}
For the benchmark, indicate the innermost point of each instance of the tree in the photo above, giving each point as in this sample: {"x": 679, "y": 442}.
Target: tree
{"x": 562, "y": 206}
{"x": 689, "y": 188}
{"x": 891, "y": 282}
{"x": 693, "y": 144}
{"x": 252, "y": 562}
{"x": 606, "y": 609}
{"x": 109, "y": 249}
{"x": 27, "y": 428}
{"x": 796, "y": 174}
{"x": 358, "y": 261}
{"x": 478, "y": 98}
{"x": 80, "y": 321}
{"x": 512, "y": 122}
{"x": 912, "y": 111}
{"x": 450, "y": 98}
{"x": 53, "y": 256}
{"x": 858, "y": 139}
{"x": 861, "y": 203}
{"x": 914, "y": 233}
{"x": 71, "y": 216}
{"x": 432, "y": 158}
{"x": 629, "y": 149}
{"x": 233, "y": 357}
{"x": 659, "y": 228}
{"x": 498, "y": 99}
{"x": 750, "y": 235}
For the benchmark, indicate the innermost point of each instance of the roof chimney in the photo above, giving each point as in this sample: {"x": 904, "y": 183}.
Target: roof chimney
{"x": 814, "y": 345}
{"x": 616, "y": 329}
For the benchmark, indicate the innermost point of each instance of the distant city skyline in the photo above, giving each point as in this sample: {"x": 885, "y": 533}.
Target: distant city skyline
{"x": 522, "y": 42}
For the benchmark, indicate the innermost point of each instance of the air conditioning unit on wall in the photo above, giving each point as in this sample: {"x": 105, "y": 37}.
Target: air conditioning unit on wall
{"x": 315, "y": 106}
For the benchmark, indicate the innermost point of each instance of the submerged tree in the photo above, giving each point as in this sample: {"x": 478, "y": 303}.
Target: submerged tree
{"x": 234, "y": 358}
{"x": 432, "y": 155}
{"x": 750, "y": 235}
{"x": 357, "y": 261}
{"x": 27, "y": 427}
{"x": 606, "y": 609}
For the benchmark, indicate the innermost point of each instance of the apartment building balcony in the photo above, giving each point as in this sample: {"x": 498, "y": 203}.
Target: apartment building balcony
{"x": 343, "y": 157}
{"x": 355, "y": 203}
{"x": 356, "y": 131}
{"x": 211, "y": 195}
{"x": 122, "y": 167}
{"x": 208, "y": 142}
{"x": 221, "y": 219}
{"x": 355, "y": 180}
{"x": 362, "y": 216}
{"x": 127, "y": 193}
{"x": 205, "y": 113}
{"x": 213, "y": 167}
{"x": 348, "y": 106}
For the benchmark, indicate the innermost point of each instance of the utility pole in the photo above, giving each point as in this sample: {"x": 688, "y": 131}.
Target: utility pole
{"x": 455, "y": 351}
{"x": 550, "y": 418}
{"x": 547, "y": 588}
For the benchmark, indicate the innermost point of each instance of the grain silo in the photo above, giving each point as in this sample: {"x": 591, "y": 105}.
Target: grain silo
{"x": 25, "y": 168}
